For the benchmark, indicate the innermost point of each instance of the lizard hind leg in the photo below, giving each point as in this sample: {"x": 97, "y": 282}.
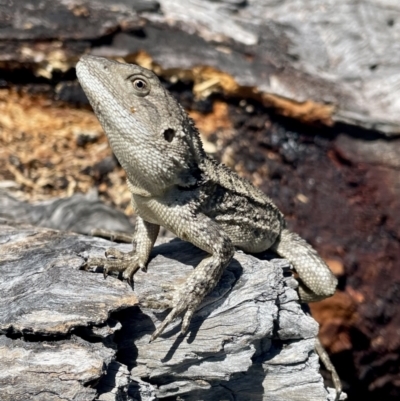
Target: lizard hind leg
{"x": 316, "y": 281}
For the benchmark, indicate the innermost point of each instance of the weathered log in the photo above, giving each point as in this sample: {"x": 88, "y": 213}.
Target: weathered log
{"x": 318, "y": 60}
{"x": 250, "y": 339}
{"x": 78, "y": 213}
{"x": 49, "y": 370}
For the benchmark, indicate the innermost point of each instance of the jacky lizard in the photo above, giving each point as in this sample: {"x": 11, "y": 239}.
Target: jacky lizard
{"x": 175, "y": 184}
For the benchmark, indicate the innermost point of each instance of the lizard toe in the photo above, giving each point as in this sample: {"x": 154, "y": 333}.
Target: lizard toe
{"x": 133, "y": 265}
{"x": 113, "y": 265}
{"x": 115, "y": 253}
{"x": 93, "y": 262}
{"x": 186, "y": 320}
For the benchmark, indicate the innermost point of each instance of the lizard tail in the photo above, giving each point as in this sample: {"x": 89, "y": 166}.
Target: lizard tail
{"x": 316, "y": 281}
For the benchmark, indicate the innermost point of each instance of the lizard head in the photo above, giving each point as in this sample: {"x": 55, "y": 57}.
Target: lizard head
{"x": 149, "y": 132}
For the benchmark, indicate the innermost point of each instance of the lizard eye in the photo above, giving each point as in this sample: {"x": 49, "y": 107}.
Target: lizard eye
{"x": 141, "y": 86}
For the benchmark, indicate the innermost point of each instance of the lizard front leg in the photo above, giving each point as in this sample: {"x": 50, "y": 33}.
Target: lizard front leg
{"x": 129, "y": 263}
{"x": 203, "y": 232}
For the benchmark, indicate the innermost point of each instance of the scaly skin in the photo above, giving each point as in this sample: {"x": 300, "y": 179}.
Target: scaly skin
{"x": 174, "y": 184}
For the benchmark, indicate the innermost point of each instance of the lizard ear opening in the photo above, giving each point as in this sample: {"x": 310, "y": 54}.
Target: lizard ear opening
{"x": 169, "y": 134}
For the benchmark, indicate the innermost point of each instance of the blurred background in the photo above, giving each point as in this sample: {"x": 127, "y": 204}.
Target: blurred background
{"x": 302, "y": 97}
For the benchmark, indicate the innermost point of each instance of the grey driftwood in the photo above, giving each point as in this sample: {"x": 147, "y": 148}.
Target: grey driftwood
{"x": 62, "y": 337}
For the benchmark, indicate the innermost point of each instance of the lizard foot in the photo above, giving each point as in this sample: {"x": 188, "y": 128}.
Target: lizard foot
{"x": 118, "y": 261}
{"x": 181, "y": 301}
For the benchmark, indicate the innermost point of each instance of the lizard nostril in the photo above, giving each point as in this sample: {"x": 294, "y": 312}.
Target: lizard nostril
{"x": 169, "y": 134}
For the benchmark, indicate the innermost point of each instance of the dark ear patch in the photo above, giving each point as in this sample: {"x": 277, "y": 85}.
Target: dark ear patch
{"x": 169, "y": 134}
